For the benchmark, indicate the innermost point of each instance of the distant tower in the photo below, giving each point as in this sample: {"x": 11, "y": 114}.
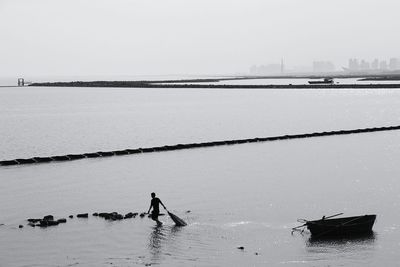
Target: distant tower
{"x": 21, "y": 82}
{"x": 282, "y": 66}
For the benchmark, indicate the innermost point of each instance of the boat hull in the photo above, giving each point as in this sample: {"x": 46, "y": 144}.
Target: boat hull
{"x": 342, "y": 226}
{"x": 320, "y": 82}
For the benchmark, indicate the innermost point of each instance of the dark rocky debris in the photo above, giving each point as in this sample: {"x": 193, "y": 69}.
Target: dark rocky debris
{"x": 130, "y": 215}
{"x": 46, "y": 221}
{"x": 115, "y": 216}
{"x": 49, "y": 220}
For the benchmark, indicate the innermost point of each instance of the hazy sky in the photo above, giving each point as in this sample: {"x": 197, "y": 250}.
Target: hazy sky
{"x": 137, "y": 37}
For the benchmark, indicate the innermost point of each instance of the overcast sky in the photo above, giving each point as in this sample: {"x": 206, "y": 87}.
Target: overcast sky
{"x": 138, "y": 37}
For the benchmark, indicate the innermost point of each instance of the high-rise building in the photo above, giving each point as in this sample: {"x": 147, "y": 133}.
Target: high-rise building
{"x": 383, "y": 65}
{"x": 375, "y": 64}
{"x": 353, "y": 64}
{"x": 364, "y": 65}
{"x": 394, "y": 64}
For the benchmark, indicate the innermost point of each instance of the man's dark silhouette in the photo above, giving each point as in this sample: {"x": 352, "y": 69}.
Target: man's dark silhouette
{"x": 155, "y": 204}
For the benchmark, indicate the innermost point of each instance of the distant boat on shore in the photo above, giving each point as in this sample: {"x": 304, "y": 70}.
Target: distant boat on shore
{"x": 324, "y": 81}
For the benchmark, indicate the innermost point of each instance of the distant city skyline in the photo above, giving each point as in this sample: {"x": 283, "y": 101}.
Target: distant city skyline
{"x": 321, "y": 66}
{"x": 377, "y": 64}
{"x": 133, "y": 37}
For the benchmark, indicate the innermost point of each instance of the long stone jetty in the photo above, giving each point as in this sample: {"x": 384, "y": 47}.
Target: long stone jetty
{"x": 203, "y": 84}
{"x": 99, "y": 154}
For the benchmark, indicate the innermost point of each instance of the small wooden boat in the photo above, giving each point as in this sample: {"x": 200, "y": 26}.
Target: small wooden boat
{"x": 341, "y": 226}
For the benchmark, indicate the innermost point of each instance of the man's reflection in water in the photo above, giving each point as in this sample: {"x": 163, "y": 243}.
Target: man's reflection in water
{"x": 161, "y": 237}
{"x": 155, "y": 243}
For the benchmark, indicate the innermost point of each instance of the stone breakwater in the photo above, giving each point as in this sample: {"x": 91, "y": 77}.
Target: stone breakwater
{"x": 199, "y": 84}
{"x": 190, "y": 146}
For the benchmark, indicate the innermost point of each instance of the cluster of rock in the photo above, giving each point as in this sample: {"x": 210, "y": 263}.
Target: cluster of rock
{"x": 49, "y": 220}
{"x": 45, "y": 221}
{"x": 115, "y": 216}
{"x": 189, "y": 146}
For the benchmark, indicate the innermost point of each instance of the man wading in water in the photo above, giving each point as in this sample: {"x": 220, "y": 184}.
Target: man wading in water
{"x": 155, "y": 203}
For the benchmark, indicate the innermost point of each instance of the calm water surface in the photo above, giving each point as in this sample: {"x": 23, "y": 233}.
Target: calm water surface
{"x": 246, "y": 195}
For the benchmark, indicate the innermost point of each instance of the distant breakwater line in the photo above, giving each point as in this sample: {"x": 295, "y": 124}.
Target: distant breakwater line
{"x": 70, "y": 157}
{"x": 199, "y": 84}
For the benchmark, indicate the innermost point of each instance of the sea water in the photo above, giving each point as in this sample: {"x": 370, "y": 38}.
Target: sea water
{"x": 246, "y": 195}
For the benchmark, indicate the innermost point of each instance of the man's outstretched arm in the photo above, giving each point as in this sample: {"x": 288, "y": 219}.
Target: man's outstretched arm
{"x": 162, "y": 204}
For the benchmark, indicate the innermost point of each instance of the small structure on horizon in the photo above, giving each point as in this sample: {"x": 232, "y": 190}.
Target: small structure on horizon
{"x": 21, "y": 82}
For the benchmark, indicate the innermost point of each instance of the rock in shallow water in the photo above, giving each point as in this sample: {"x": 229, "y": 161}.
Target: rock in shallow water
{"x": 131, "y": 215}
{"x": 52, "y": 223}
{"x": 45, "y": 223}
{"x": 128, "y": 215}
{"x": 48, "y": 218}
{"x": 113, "y": 216}
{"x": 34, "y": 220}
